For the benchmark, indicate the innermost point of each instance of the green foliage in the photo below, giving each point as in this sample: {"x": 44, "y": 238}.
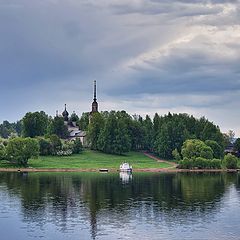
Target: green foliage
{"x": 74, "y": 117}
{"x": 45, "y": 146}
{"x": 58, "y": 127}
{"x": 84, "y": 121}
{"x": 218, "y": 150}
{"x": 114, "y": 137}
{"x": 35, "y": 124}
{"x": 194, "y": 148}
{"x": 77, "y": 146}
{"x": 230, "y": 161}
{"x": 237, "y": 145}
{"x": 2, "y": 151}
{"x": 7, "y": 129}
{"x": 170, "y": 137}
{"x": 200, "y": 163}
{"x": 176, "y": 155}
{"x": 55, "y": 143}
{"x": 20, "y": 150}
{"x": 94, "y": 128}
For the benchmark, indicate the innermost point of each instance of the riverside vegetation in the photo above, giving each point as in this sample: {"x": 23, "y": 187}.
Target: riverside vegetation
{"x": 193, "y": 143}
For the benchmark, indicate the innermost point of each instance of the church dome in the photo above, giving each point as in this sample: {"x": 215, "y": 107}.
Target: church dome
{"x": 65, "y": 113}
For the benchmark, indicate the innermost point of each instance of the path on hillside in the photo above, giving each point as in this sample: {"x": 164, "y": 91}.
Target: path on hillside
{"x": 160, "y": 160}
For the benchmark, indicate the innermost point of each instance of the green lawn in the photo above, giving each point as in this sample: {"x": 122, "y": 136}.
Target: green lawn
{"x": 94, "y": 160}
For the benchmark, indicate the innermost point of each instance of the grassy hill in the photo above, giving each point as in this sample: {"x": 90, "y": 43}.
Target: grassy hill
{"x": 94, "y": 160}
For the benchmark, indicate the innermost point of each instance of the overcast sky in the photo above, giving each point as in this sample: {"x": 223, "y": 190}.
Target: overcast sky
{"x": 147, "y": 56}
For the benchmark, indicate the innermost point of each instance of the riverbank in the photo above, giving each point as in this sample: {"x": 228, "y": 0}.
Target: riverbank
{"x": 153, "y": 170}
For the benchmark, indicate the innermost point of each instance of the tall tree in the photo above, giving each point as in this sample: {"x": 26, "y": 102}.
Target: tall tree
{"x": 94, "y": 128}
{"x": 58, "y": 127}
{"x": 35, "y": 124}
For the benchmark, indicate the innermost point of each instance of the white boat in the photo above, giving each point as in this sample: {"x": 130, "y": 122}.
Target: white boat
{"x": 125, "y": 167}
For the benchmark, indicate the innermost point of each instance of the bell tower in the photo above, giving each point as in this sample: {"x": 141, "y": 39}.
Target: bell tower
{"x": 95, "y": 104}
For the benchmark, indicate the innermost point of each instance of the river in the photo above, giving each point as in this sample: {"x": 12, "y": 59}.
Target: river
{"x": 166, "y": 206}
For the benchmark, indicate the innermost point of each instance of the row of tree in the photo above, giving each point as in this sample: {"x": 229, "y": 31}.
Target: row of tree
{"x": 119, "y": 132}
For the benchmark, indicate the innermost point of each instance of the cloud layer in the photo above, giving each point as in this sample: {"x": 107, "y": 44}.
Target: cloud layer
{"x": 147, "y": 56}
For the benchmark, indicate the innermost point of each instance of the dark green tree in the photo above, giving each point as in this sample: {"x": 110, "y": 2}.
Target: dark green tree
{"x": 237, "y": 145}
{"x": 35, "y": 124}
{"x": 218, "y": 150}
{"x": 58, "y": 127}
{"x": 84, "y": 121}
{"x": 94, "y": 128}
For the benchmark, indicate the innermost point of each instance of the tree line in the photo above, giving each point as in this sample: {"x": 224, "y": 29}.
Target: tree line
{"x": 118, "y": 132}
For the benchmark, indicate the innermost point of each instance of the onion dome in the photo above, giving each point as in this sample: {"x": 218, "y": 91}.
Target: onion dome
{"x": 65, "y": 113}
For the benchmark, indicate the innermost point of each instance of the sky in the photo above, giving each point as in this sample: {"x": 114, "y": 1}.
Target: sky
{"x": 147, "y": 56}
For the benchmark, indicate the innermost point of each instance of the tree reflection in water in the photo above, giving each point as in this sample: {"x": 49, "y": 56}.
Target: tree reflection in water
{"x": 61, "y": 198}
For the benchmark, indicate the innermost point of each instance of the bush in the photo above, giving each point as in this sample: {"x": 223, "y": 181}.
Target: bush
{"x": 56, "y": 143}
{"x": 77, "y": 146}
{"x": 217, "y": 149}
{"x": 230, "y": 161}
{"x": 194, "y": 148}
{"x": 20, "y": 150}
{"x": 2, "y": 152}
{"x": 200, "y": 163}
{"x": 64, "y": 153}
{"x": 45, "y": 146}
{"x": 176, "y": 155}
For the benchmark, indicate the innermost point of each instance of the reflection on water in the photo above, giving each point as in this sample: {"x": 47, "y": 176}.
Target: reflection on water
{"x": 109, "y": 206}
{"x": 126, "y": 177}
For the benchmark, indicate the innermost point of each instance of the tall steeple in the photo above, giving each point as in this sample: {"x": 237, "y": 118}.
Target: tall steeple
{"x": 95, "y": 104}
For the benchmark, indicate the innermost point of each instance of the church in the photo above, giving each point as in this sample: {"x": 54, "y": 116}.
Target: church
{"x": 71, "y": 123}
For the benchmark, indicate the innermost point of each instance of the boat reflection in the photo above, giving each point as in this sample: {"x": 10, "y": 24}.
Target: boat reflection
{"x": 125, "y": 177}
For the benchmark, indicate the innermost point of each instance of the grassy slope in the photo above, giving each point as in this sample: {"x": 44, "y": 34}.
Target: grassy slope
{"x": 94, "y": 160}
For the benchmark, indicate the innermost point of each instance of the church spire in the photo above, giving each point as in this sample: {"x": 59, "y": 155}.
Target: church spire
{"x": 95, "y": 104}
{"x": 95, "y": 91}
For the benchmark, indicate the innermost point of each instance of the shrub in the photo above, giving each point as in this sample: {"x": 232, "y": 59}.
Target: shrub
{"x": 2, "y": 152}
{"x": 217, "y": 149}
{"x": 230, "y": 161}
{"x": 176, "y": 155}
{"x": 200, "y": 163}
{"x": 56, "y": 143}
{"x": 64, "y": 153}
{"x": 77, "y": 146}
{"x": 45, "y": 146}
{"x": 20, "y": 150}
{"x": 194, "y": 148}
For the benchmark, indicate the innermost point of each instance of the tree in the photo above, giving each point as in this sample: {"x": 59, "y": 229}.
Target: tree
{"x": 77, "y": 146}
{"x": 45, "y": 146}
{"x": 114, "y": 137}
{"x": 20, "y": 150}
{"x": 55, "y": 143}
{"x": 74, "y": 117}
{"x": 84, "y": 121}
{"x": 35, "y": 124}
{"x": 58, "y": 127}
{"x": 228, "y": 138}
{"x": 230, "y": 161}
{"x": 148, "y": 128}
{"x": 218, "y": 151}
{"x": 94, "y": 128}
{"x": 237, "y": 145}
{"x": 194, "y": 148}
{"x": 170, "y": 136}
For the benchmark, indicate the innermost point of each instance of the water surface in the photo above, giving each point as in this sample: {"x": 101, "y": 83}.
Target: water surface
{"x": 109, "y": 206}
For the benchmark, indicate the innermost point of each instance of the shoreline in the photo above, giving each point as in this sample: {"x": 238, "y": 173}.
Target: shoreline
{"x": 151, "y": 170}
